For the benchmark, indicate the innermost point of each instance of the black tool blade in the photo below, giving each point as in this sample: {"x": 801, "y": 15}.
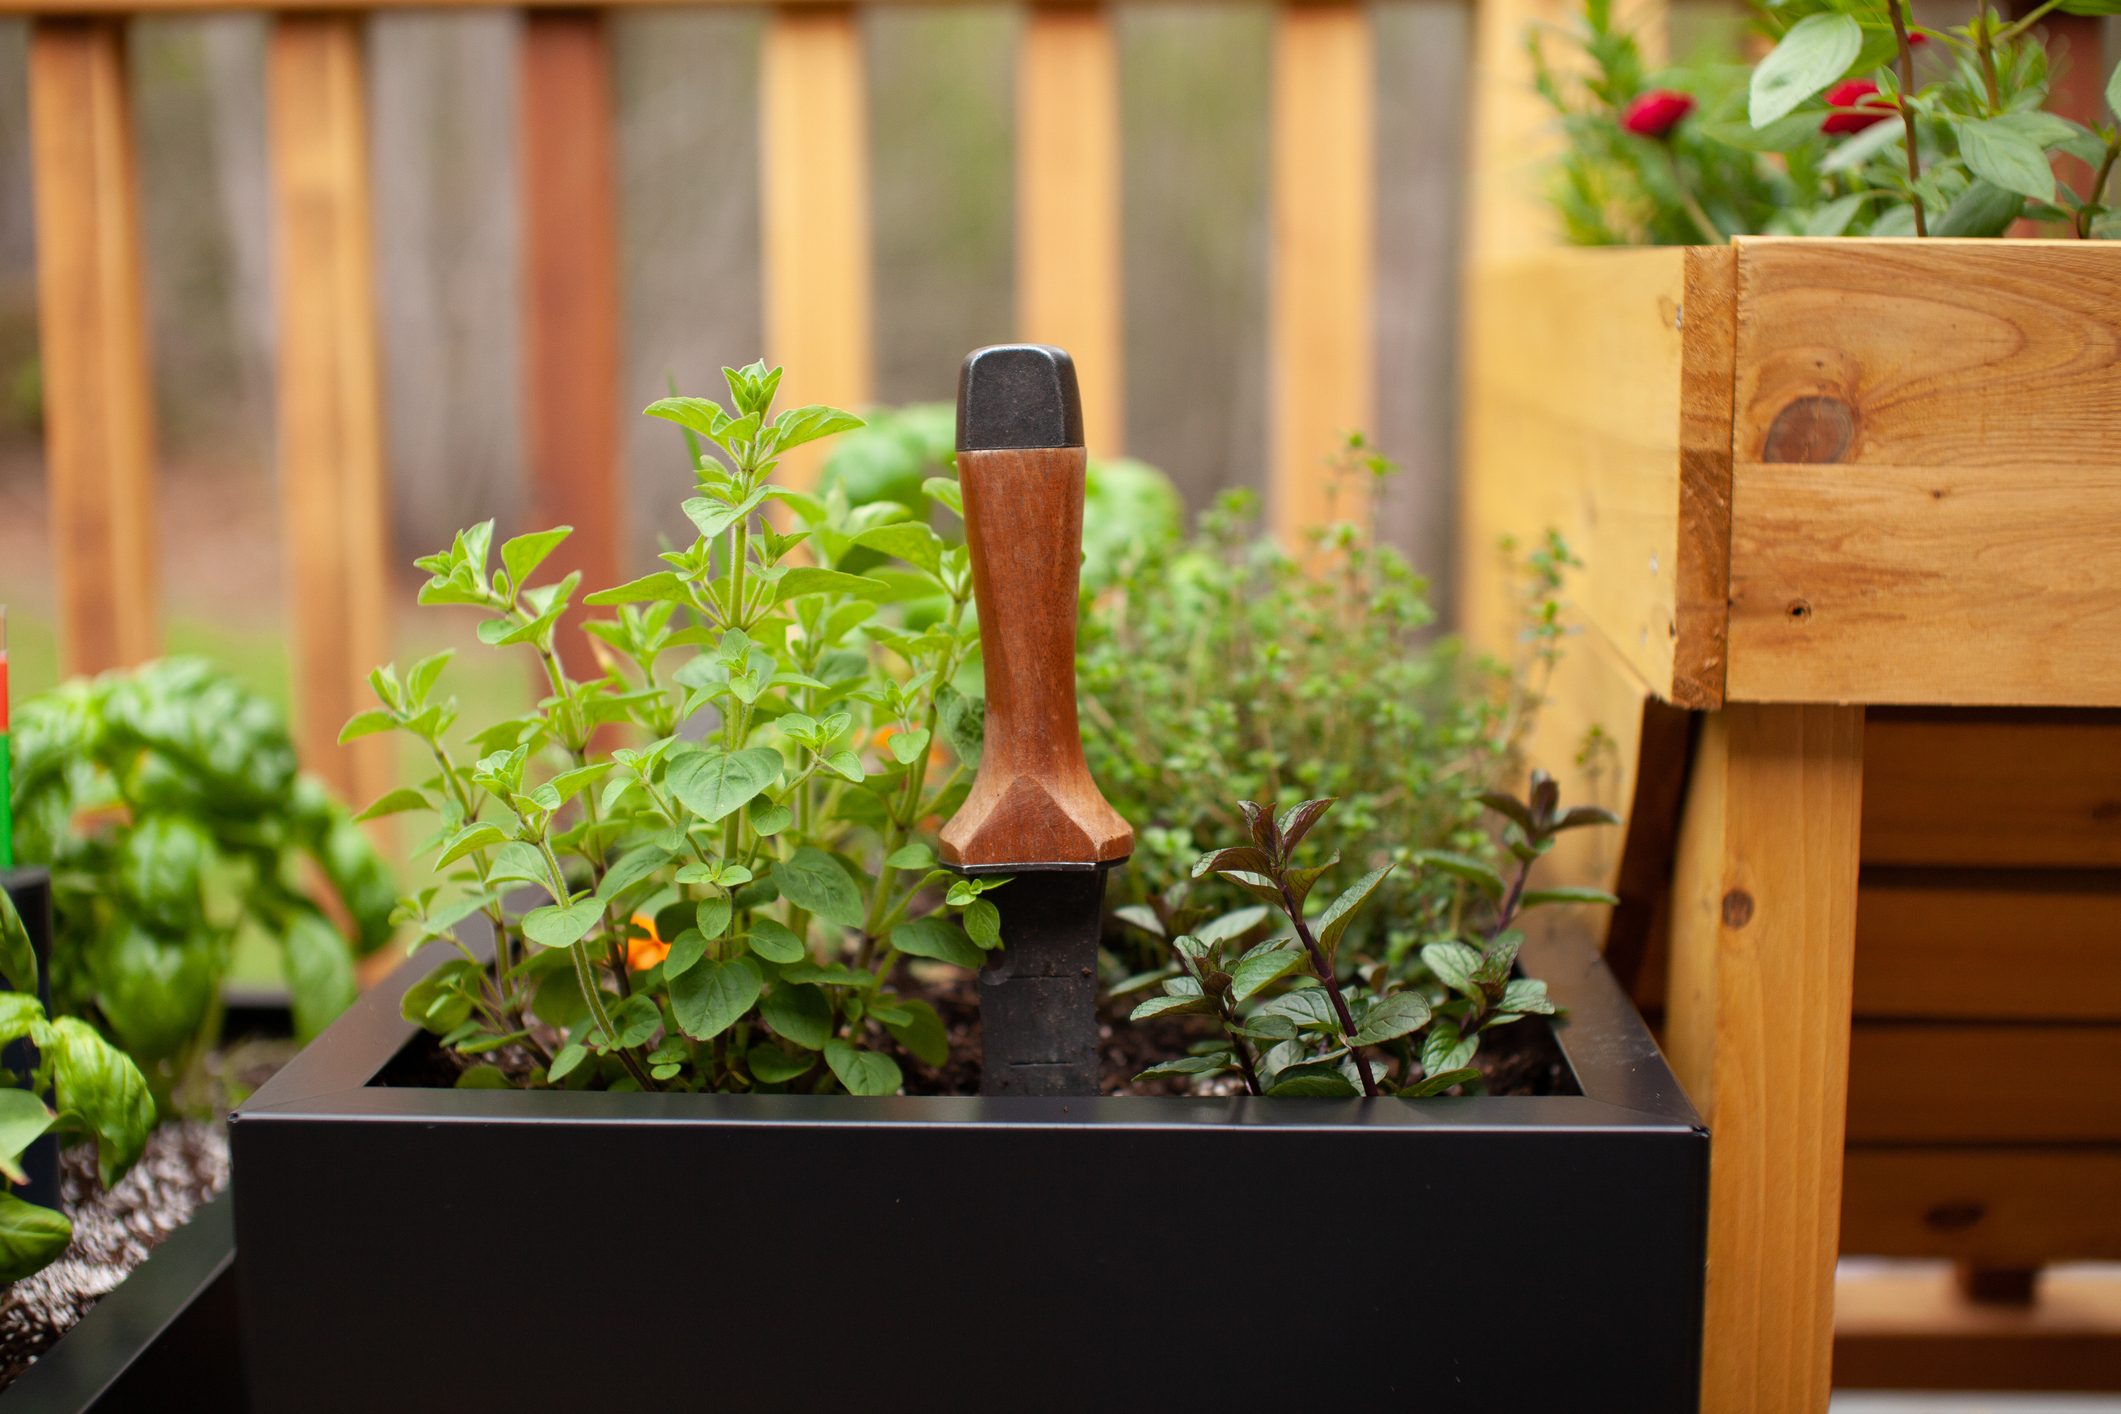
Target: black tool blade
{"x": 1038, "y": 993}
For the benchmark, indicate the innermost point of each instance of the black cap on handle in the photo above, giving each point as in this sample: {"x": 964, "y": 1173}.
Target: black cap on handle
{"x": 1018, "y": 395}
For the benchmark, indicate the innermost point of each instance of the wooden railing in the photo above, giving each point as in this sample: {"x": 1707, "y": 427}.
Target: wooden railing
{"x": 815, "y": 271}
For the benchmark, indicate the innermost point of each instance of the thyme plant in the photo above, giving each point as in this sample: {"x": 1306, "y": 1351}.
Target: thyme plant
{"x": 1226, "y": 667}
{"x": 727, "y": 900}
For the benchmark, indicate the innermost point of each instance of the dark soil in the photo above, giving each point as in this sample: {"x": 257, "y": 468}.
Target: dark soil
{"x": 1521, "y": 1059}
{"x": 184, "y": 1165}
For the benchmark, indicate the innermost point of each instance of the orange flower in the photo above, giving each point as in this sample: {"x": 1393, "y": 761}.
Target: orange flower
{"x": 644, "y": 953}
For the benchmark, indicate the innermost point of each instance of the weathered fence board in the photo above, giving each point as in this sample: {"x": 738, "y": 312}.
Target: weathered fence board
{"x": 814, "y": 172}
{"x": 571, "y": 297}
{"x": 1069, "y": 290}
{"x": 330, "y": 409}
{"x": 98, "y": 404}
{"x": 1320, "y": 354}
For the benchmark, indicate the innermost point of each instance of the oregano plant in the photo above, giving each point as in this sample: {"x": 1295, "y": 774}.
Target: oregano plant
{"x": 1298, "y": 1016}
{"x": 726, "y": 836}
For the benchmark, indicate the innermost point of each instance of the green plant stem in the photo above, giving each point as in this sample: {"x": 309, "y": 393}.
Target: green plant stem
{"x": 2020, "y": 26}
{"x": 907, "y": 812}
{"x": 1323, "y": 970}
{"x": 1687, "y": 200}
{"x": 1228, "y": 1017}
{"x": 594, "y": 995}
{"x": 593, "y": 858}
{"x": 2093, "y": 198}
{"x": 1985, "y": 51}
{"x": 504, "y": 962}
{"x": 585, "y": 977}
{"x": 1243, "y": 1052}
{"x": 1897, "y": 9}
{"x": 739, "y": 554}
{"x": 662, "y": 802}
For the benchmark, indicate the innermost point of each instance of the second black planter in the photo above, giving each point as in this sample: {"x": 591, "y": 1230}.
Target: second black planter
{"x": 499, "y": 1250}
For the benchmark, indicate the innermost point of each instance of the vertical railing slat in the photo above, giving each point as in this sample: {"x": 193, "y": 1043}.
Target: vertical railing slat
{"x": 93, "y": 331}
{"x": 814, "y": 172}
{"x": 330, "y": 414}
{"x": 1320, "y": 346}
{"x": 1514, "y": 136}
{"x": 1067, "y": 204}
{"x": 571, "y": 297}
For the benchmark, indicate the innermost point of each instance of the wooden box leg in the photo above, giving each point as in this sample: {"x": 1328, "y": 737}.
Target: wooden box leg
{"x": 1757, "y": 1026}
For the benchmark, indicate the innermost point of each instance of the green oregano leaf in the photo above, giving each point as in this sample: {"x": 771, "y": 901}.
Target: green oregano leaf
{"x": 862, "y": 1072}
{"x": 711, "y": 997}
{"x": 816, "y": 882}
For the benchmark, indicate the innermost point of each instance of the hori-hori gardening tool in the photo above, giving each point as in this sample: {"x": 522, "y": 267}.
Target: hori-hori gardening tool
{"x": 1034, "y": 814}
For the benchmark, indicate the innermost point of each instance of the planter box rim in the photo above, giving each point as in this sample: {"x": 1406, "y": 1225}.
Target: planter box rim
{"x": 1623, "y": 1079}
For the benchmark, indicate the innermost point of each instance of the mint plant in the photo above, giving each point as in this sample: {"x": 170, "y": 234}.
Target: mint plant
{"x": 81, "y": 1086}
{"x": 166, "y": 802}
{"x": 727, "y": 901}
{"x": 1859, "y": 121}
{"x": 1298, "y": 1016}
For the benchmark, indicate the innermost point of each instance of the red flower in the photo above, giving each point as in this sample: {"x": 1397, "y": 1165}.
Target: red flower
{"x": 1657, "y": 112}
{"x": 1856, "y": 93}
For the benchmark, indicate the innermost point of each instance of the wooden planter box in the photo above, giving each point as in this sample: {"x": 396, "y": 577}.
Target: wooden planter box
{"x": 1857, "y": 504}
{"x": 1004, "y": 1254}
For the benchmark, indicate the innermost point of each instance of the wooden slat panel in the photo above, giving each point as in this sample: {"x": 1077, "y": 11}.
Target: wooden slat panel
{"x": 1701, "y": 560}
{"x": 1319, "y": 343}
{"x": 571, "y": 299}
{"x": 1927, "y": 500}
{"x": 814, "y": 166}
{"x": 1905, "y": 1330}
{"x": 93, "y": 343}
{"x": 1757, "y": 1027}
{"x": 1068, "y": 283}
{"x": 2023, "y": 789}
{"x": 330, "y": 417}
{"x": 1514, "y": 139}
{"x": 1997, "y": 1206}
{"x": 1991, "y": 945}
{"x": 1598, "y": 397}
{"x": 1920, "y": 1083}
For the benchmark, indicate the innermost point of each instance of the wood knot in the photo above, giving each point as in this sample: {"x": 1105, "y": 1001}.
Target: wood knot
{"x": 1812, "y": 428}
{"x": 1799, "y": 610}
{"x": 1954, "y": 1217}
{"x": 1737, "y": 908}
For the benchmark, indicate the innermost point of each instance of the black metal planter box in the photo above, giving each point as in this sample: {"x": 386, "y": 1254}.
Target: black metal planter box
{"x": 166, "y": 1337}
{"x": 476, "y": 1250}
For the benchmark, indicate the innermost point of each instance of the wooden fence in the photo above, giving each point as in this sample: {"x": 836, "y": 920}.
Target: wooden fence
{"x": 815, "y": 275}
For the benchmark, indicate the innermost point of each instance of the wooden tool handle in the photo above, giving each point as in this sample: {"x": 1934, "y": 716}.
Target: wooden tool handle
{"x": 1033, "y": 803}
